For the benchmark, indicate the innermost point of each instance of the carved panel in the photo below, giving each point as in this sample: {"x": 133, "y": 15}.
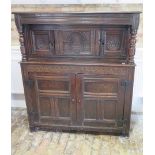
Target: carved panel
{"x": 42, "y": 43}
{"x": 113, "y": 42}
{"x": 76, "y": 42}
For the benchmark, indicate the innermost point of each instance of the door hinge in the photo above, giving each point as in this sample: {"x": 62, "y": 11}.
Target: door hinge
{"x": 29, "y": 82}
{"x": 122, "y": 122}
{"x": 31, "y": 113}
{"x": 126, "y": 83}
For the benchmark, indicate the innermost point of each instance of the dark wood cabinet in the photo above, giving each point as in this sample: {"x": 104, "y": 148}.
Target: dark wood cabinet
{"x": 78, "y": 70}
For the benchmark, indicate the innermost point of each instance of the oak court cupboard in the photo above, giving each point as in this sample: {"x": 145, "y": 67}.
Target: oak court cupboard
{"x": 78, "y": 70}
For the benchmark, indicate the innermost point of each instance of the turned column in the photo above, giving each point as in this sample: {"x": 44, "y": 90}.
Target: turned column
{"x": 132, "y": 45}
{"x": 22, "y": 48}
{"x": 21, "y": 36}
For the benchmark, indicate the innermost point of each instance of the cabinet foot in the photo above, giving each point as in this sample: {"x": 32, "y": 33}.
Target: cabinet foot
{"x": 125, "y": 134}
{"x": 32, "y": 129}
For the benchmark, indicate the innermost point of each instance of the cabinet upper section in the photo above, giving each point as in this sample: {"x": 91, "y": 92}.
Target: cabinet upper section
{"x": 85, "y": 35}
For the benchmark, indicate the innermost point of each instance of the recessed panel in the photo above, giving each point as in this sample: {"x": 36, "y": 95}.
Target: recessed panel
{"x": 115, "y": 39}
{"x": 62, "y": 107}
{"x": 53, "y": 85}
{"x": 45, "y": 106}
{"x": 54, "y": 106}
{"x": 90, "y": 109}
{"x": 101, "y": 86}
{"x": 113, "y": 42}
{"x": 110, "y": 109}
{"x": 100, "y": 109}
{"x": 41, "y": 41}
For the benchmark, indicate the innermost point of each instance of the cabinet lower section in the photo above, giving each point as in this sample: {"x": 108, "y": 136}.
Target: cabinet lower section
{"x": 94, "y": 98}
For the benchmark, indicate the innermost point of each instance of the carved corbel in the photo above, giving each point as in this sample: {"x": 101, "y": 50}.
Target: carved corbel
{"x": 132, "y": 37}
{"x": 21, "y": 36}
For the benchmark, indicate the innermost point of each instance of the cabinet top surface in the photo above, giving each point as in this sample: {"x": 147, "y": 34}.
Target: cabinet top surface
{"x": 76, "y": 13}
{"x": 114, "y": 18}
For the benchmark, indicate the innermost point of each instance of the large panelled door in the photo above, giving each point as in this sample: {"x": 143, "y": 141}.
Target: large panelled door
{"x": 100, "y": 100}
{"x": 55, "y": 99}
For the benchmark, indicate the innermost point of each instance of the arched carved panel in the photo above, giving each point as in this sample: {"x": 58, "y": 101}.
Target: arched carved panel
{"x": 76, "y": 42}
{"x": 115, "y": 42}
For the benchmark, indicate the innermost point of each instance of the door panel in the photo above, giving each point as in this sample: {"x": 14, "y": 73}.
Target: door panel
{"x": 41, "y": 42}
{"x": 54, "y": 106}
{"x": 100, "y": 86}
{"x": 77, "y": 42}
{"x": 101, "y": 100}
{"x": 99, "y": 108}
{"x": 114, "y": 42}
{"x": 55, "y": 98}
{"x": 53, "y": 85}
{"x": 45, "y": 106}
{"x": 60, "y": 84}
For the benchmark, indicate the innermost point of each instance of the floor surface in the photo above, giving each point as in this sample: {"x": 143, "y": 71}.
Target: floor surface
{"x": 56, "y": 143}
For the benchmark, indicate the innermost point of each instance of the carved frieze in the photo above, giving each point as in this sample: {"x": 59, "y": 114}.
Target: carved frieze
{"x": 78, "y": 69}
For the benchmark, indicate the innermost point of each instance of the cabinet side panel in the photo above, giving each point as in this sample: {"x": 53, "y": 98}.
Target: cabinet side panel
{"x": 128, "y": 100}
{"x": 30, "y": 96}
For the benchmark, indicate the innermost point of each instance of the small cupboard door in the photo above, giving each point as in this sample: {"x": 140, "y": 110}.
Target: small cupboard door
{"x": 40, "y": 42}
{"x": 55, "y": 99}
{"x": 100, "y": 100}
{"x": 113, "y": 42}
{"x": 77, "y": 41}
